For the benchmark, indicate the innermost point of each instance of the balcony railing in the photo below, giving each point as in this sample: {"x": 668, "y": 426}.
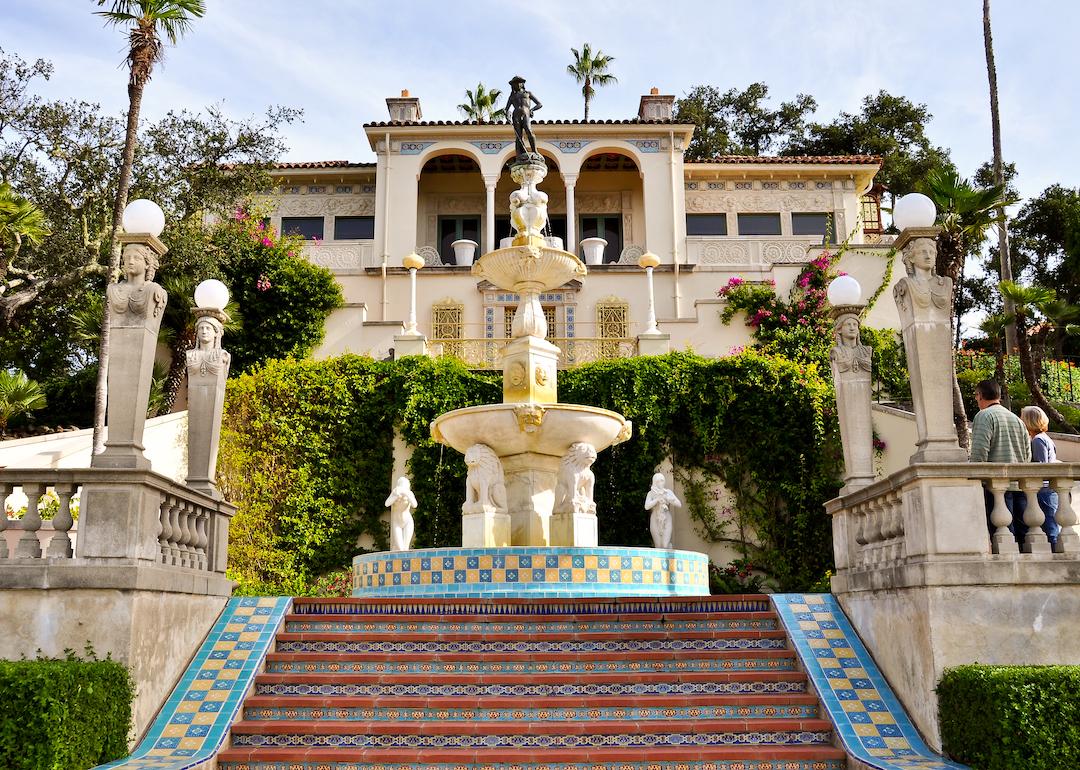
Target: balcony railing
{"x": 743, "y": 251}
{"x": 342, "y": 255}
{"x": 573, "y": 351}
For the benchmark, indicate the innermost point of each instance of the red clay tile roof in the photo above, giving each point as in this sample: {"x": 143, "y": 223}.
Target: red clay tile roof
{"x": 322, "y": 164}
{"x": 765, "y": 159}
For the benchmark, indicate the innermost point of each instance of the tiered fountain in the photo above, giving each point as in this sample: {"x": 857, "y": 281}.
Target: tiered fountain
{"x": 529, "y": 523}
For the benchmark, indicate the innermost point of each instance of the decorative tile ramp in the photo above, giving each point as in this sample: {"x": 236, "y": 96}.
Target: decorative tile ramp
{"x": 869, "y": 719}
{"x": 195, "y": 720}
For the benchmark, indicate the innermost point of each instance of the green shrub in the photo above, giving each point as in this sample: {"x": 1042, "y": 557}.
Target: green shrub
{"x": 63, "y": 714}
{"x": 1010, "y": 717}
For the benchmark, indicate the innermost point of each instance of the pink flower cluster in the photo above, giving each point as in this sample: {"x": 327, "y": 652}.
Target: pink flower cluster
{"x": 263, "y": 284}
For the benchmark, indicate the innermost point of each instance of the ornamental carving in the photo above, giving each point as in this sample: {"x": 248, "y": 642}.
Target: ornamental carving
{"x": 336, "y": 257}
{"x": 784, "y": 252}
{"x": 724, "y": 253}
{"x": 461, "y": 204}
{"x": 715, "y": 201}
{"x": 326, "y": 205}
{"x": 598, "y": 203}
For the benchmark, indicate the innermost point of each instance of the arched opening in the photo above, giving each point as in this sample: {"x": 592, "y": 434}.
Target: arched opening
{"x": 450, "y": 203}
{"x": 610, "y": 202}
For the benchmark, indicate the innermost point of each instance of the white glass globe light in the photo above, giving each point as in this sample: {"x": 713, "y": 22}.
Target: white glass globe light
{"x": 844, "y": 290}
{"x": 211, "y": 293}
{"x": 914, "y": 210}
{"x": 143, "y": 216}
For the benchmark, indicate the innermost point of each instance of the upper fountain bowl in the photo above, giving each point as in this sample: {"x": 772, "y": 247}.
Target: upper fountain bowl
{"x": 542, "y": 267}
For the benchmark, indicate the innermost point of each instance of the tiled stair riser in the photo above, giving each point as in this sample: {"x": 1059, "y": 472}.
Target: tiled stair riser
{"x": 531, "y": 668}
{"x": 622, "y": 764}
{"x": 297, "y": 624}
{"x": 582, "y": 690}
{"x": 402, "y": 609}
{"x": 346, "y": 645}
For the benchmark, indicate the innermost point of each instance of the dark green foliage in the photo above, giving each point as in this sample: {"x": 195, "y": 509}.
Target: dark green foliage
{"x": 890, "y": 363}
{"x": 283, "y": 298}
{"x": 63, "y": 714}
{"x": 1009, "y": 717}
{"x": 307, "y": 455}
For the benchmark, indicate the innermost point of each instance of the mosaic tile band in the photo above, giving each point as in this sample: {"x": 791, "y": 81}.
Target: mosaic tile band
{"x": 775, "y": 641}
{"x": 531, "y": 572}
{"x": 195, "y": 720}
{"x": 315, "y": 625}
{"x": 618, "y": 764}
{"x": 869, "y": 719}
{"x": 510, "y": 606}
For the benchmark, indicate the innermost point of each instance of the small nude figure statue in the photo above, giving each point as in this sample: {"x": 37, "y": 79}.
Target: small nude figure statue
{"x": 521, "y": 105}
{"x": 401, "y": 504}
{"x": 658, "y": 502}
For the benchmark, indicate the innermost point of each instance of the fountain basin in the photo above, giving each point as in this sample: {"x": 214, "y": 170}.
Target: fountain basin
{"x": 543, "y": 267}
{"x": 547, "y": 429}
{"x": 601, "y": 571}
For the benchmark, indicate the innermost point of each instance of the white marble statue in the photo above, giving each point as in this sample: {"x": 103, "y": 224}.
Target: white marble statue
{"x": 401, "y": 504}
{"x": 484, "y": 487}
{"x": 659, "y": 502}
{"x": 574, "y": 489}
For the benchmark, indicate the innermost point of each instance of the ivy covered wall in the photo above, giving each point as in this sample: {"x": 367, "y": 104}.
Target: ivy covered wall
{"x": 307, "y": 454}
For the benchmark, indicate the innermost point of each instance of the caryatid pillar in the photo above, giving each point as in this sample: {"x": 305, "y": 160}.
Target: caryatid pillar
{"x": 924, "y": 302}
{"x": 207, "y": 369}
{"x": 136, "y": 306}
{"x": 851, "y": 366}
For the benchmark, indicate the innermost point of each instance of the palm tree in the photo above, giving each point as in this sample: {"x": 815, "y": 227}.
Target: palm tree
{"x": 1029, "y": 301}
{"x": 591, "y": 70}
{"x": 965, "y": 213}
{"x": 999, "y": 170}
{"x": 18, "y": 395}
{"x": 20, "y": 222}
{"x": 145, "y": 20}
{"x": 993, "y": 326}
{"x": 482, "y": 105}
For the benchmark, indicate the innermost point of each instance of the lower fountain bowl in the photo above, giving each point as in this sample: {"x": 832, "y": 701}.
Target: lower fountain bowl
{"x": 531, "y": 572}
{"x": 547, "y": 429}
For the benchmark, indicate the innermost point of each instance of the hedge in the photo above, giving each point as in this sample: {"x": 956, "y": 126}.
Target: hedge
{"x": 63, "y": 714}
{"x": 1008, "y": 717}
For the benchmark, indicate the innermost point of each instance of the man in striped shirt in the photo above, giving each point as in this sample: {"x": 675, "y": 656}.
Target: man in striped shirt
{"x": 999, "y": 436}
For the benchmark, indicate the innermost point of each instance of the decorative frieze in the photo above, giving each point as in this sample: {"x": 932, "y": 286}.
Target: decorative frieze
{"x": 490, "y": 147}
{"x": 709, "y": 202}
{"x": 413, "y": 148}
{"x": 326, "y": 205}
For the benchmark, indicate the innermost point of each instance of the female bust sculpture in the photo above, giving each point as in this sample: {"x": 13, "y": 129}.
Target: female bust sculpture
{"x": 849, "y": 355}
{"x": 138, "y": 294}
{"x": 924, "y": 287}
{"x": 207, "y": 354}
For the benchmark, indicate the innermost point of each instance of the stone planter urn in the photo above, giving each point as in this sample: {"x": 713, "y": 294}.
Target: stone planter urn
{"x": 464, "y": 251}
{"x": 593, "y": 250}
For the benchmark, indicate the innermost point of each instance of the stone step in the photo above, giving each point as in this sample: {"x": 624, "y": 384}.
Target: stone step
{"x": 540, "y": 686}
{"x": 801, "y": 707}
{"x": 531, "y": 607}
{"x": 515, "y": 734}
{"x": 554, "y": 643}
{"x": 528, "y": 664}
{"x": 667, "y": 758}
{"x": 529, "y": 625}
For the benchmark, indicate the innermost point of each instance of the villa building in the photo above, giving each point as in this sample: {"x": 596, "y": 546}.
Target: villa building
{"x": 437, "y": 183}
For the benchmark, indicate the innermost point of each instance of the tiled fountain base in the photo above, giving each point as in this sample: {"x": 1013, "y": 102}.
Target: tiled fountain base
{"x": 537, "y": 572}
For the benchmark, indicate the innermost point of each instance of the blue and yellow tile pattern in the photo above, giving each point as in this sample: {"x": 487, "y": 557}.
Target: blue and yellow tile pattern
{"x": 193, "y": 723}
{"x": 531, "y": 572}
{"x": 869, "y": 719}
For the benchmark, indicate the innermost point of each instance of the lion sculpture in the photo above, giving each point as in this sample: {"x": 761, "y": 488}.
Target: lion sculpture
{"x": 574, "y": 490}
{"x": 484, "y": 488}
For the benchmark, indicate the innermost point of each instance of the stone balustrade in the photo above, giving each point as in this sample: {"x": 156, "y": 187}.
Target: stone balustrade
{"x": 887, "y": 532}
{"x": 175, "y": 526}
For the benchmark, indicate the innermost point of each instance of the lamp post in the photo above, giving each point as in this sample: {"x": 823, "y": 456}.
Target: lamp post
{"x": 850, "y": 362}
{"x": 412, "y": 262}
{"x": 648, "y": 261}
{"x": 207, "y": 369}
{"x": 136, "y": 306}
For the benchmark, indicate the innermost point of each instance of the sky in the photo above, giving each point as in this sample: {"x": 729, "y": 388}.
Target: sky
{"x": 339, "y": 59}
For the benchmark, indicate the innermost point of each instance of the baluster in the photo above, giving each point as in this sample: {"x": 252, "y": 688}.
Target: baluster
{"x": 859, "y": 511}
{"x": 873, "y": 532}
{"x": 185, "y": 534}
{"x": 201, "y": 539}
{"x": 900, "y": 545}
{"x": 5, "y": 490}
{"x": 1002, "y": 541}
{"x": 29, "y": 546}
{"x": 1068, "y": 539}
{"x": 1035, "y": 541}
{"x": 60, "y": 545}
{"x": 174, "y": 531}
{"x": 165, "y": 533}
{"x": 189, "y": 534}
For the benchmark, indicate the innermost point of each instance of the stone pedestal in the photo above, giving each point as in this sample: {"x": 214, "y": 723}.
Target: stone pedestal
{"x": 654, "y": 344}
{"x": 410, "y": 345}
{"x": 530, "y": 366}
{"x": 573, "y": 528}
{"x": 530, "y": 496}
{"x": 487, "y": 528}
{"x": 120, "y": 520}
{"x": 207, "y": 372}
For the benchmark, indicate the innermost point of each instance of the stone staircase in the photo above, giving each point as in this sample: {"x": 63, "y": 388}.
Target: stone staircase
{"x": 360, "y": 684}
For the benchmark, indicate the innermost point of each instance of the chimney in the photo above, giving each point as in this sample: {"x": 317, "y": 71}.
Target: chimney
{"x": 404, "y": 109}
{"x": 656, "y": 106}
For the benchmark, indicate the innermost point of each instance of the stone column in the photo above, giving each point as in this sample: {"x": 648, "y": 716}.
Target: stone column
{"x": 850, "y": 363}
{"x": 924, "y": 302}
{"x": 207, "y": 368}
{"x": 571, "y": 215}
{"x": 489, "y": 231}
{"x": 136, "y": 307}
